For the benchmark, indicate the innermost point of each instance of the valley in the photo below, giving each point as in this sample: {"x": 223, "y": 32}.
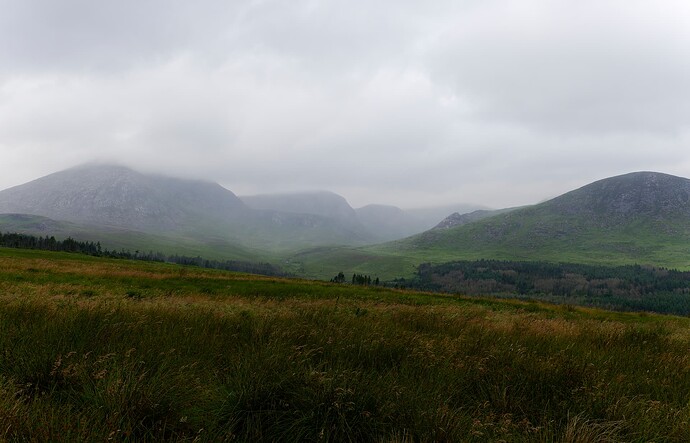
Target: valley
{"x": 97, "y": 346}
{"x": 95, "y": 349}
{"x": 326, "y": 221}
{"x": 640, "y": 218}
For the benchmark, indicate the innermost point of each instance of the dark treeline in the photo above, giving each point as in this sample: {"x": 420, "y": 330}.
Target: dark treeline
{"x": 25, "y": 241}
{"x": 228, "y": 265}
{"x": 632, "y": 287}
{"x": 365, "y": 280}
{"x": 357, "y": 279}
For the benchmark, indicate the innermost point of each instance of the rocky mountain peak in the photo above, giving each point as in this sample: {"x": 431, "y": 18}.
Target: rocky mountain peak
{"x": 115, "y": 195}
{"x": 630, "y": 195}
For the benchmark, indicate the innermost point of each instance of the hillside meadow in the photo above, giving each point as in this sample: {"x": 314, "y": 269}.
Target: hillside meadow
{"x": 644, "y": 244}
{"x": 101, "y": 349}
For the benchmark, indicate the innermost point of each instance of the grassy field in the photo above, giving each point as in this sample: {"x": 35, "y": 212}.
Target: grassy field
{"x": 97, "y": 350}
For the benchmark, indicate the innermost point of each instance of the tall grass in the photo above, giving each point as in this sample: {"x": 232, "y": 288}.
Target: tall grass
{"x": 212, "y": 356}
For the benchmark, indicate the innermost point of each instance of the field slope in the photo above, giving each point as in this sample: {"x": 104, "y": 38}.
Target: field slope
{"x": 94, "y": 349}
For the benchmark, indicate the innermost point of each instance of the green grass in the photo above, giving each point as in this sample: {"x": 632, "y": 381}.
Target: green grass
{"x": 325, "y": 262}
{"x": 94, "y": 349}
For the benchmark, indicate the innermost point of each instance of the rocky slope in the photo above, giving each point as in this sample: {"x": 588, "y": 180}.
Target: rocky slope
{"x": 457, "y": 219}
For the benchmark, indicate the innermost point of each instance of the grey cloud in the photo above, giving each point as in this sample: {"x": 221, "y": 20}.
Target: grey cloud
{"x": 493, "y": 102}
{"x": 82, "y": 35}
{"x": 573, "y": 68}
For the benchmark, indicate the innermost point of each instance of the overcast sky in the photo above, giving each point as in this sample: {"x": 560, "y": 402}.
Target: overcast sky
{"x": 403, "y": 102}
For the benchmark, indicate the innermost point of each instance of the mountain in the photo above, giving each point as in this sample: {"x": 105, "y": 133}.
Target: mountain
{"x": 641, "y": 217}
{"x": 457, "y": 219}
{"x": 389, "y": 222}
{"x": 371, "y": 223}
{"x": 119, "y": 206}
{"x": 617, "y": 200}
{"x": 324, "y": 211}
{"x": 432, "y": 215}
{"x": 109, "y": 195}
{"x": 323, "y": 203}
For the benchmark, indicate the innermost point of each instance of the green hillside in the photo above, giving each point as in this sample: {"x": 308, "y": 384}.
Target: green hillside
{"x": 119, "y": 238}
{"x": 635, "y": 218}
{"x": 96, "y": 350}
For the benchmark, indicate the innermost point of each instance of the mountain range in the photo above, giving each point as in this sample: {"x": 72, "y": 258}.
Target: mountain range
{"x": 122, "y": 207}
{"x": 641, "y": 217}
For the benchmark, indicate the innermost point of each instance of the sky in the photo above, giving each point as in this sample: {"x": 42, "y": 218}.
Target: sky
{"x": 411, "y": 103}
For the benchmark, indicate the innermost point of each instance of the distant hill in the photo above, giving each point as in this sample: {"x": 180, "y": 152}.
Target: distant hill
{"x": 372, "y": 223}
{"x": 117, "y": 202}
{"x": 619, "y": 200}
{"x": 24, "y": 223}
{"x": 432, "y": 215}
{"x": 119, "y": 238}
{"x": 323, "y": 203}
{"x": 109, "y": 195}
{"x": 457, "y": 219}
{"x": 642, "y": 217}
{"x": 389, "y": 222}
{"x": 331, "y": 218}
